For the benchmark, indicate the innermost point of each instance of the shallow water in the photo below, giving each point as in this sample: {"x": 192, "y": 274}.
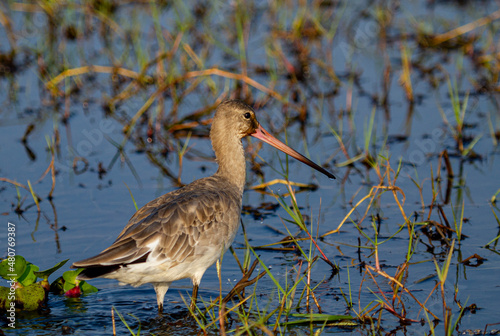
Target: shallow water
{"x": 88, "y": 210}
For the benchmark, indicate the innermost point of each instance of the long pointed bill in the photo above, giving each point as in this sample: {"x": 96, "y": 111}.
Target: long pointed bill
{"x": 262, "y": 134}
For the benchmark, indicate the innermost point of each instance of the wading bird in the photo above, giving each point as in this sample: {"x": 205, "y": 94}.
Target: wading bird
{"x": 182, "y": 233}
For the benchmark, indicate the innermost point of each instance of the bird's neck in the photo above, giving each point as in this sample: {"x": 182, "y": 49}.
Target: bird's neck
{"x": 230, "y": 156}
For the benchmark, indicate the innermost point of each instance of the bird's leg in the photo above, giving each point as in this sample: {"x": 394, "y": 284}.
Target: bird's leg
{"x": 160, "y": 289}
{"x": 160, "y": 308}
{"x": 193, "y": 298}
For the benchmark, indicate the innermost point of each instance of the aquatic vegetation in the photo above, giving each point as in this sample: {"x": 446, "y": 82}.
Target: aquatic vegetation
{"x": 26, "y": 294}
{"x": 104, "y": 99}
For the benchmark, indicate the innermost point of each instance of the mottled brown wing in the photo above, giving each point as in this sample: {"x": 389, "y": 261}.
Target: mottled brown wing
{"x": 173, "y": 225}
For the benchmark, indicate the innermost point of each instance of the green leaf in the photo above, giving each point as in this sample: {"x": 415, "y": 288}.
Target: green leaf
{"x": 45, "y": 274}
{"x": 68, "y": 286}
{"x": 28, "y": 277}
{"x": 16, "y": 266}
{"x": 70, "y": 276}
{"x": 87, "y": 288}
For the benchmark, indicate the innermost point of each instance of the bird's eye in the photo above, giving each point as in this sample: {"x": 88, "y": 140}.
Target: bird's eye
{"x": 247, "y": 115}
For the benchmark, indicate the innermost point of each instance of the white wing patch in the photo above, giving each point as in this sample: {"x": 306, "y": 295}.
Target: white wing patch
{"x": 152, "y": 246}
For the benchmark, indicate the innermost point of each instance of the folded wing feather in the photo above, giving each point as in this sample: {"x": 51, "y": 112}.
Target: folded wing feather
{"x": 170, "y": 227}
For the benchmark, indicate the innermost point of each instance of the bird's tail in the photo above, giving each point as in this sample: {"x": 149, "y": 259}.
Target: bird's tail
{"x": 96, "y": 271}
